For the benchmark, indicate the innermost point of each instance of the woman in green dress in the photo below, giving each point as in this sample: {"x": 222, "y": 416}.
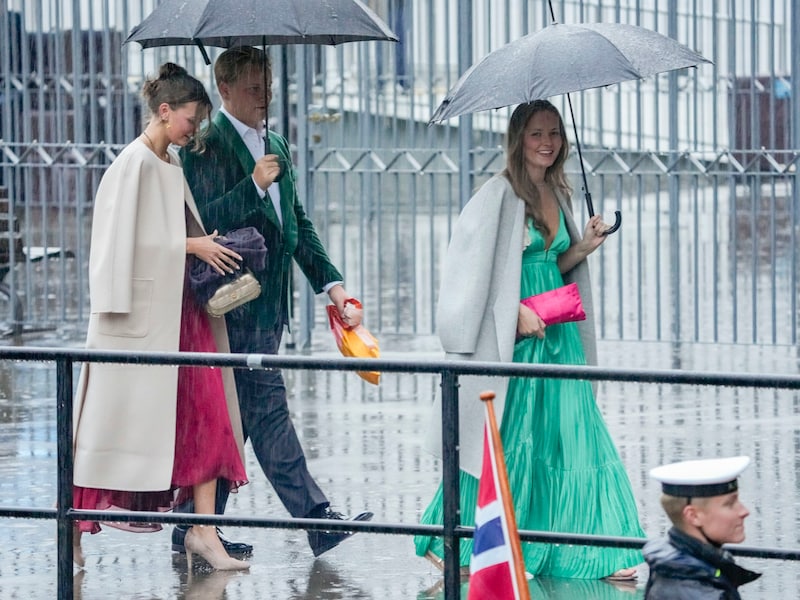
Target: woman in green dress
{"x": 516, "y": 238}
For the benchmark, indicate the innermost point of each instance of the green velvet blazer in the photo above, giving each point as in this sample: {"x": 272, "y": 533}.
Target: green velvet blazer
{"x": 220, "y": 178}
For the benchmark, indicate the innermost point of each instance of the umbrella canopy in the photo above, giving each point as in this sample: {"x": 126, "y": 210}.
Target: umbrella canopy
{"x": 226, "y": 23}
{"x": 561, "y": 59}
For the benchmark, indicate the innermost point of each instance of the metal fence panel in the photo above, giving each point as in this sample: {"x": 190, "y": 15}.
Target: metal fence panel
{"x": 702, "y": 163}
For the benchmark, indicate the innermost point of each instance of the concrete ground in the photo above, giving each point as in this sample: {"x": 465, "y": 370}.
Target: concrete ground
{"x": 364, "y": 444}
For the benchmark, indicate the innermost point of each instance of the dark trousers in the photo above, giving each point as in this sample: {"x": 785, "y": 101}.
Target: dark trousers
{"x": 266, "y": 422}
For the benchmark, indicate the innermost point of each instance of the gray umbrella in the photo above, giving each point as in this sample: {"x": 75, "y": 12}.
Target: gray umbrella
{"x": 561, "y": 59}
{"x": 228, "y": 23}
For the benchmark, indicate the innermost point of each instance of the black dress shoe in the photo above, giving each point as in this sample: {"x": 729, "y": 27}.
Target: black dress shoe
{"x": 322, "y": 541}
{"x": 231, "y": 547}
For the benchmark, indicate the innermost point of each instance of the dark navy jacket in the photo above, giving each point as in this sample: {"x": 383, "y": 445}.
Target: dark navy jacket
{"x": 682, "y": 567}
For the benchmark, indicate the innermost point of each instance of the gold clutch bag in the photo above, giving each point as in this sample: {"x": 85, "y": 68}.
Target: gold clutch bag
{"x": 230, "y": 295}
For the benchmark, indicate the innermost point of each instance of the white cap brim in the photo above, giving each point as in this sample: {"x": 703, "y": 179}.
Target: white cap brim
{"x": 715, "y": 473}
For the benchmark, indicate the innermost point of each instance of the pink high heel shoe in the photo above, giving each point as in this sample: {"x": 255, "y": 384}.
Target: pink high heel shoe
{"x": 216, "y": 557}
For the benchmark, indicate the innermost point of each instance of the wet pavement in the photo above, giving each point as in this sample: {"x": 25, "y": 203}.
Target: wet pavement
{"x": 364, "y": 444}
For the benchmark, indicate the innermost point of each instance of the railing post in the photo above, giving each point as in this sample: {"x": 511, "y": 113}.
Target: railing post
{"x": 795, "y": 177}
{"x": 673, "y": 179}
{"x": 451, "y": 494}
{"x": 64, "y": 476}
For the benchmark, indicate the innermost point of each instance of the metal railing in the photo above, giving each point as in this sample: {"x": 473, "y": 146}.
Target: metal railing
{"x": 451, "y": 530}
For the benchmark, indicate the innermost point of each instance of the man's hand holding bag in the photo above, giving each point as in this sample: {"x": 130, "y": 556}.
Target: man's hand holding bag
{"x": 354, "y": 340}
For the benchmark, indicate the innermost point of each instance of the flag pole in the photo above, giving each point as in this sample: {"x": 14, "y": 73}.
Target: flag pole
{"x": 505, "y": 494}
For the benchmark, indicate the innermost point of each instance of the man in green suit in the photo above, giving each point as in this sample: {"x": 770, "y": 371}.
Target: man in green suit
{"x": 235, "y": 184}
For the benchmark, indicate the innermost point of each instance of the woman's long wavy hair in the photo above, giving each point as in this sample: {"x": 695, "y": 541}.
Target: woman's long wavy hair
{"x": 516, "y": 171}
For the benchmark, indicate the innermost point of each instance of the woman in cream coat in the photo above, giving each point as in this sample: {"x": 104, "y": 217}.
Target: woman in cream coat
{"x": 126, "y": 423}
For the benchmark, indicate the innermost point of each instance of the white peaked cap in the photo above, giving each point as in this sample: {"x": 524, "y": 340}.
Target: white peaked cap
{"x": 701, "y": 478}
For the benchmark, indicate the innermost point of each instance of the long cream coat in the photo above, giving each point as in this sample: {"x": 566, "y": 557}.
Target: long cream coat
{"x": 124, "y": 415}
{"x": 478, "y": 304}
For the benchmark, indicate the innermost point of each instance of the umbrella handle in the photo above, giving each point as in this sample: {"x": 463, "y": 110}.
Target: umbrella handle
{"x": 617, "y": 223}
{"x": 589, "y": 206}
{"x": 590, "y": 209}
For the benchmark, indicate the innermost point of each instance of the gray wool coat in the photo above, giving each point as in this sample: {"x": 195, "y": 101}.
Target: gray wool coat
{"x": 478, "y": 305}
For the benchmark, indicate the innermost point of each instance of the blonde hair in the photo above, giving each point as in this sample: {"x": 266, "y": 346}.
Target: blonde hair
{"x": 231, "y": 64}
{"x": 674, "y": 505}
{"x": 515, "y": 170}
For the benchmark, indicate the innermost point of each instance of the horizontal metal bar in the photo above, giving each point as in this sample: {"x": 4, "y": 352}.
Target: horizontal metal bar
{"x": 252, "y": 361}
{"x": 525, "y": 535}
{"x": 171, "y": 518}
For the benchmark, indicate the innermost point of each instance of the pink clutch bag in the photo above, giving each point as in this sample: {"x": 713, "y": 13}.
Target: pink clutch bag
{"x": 560, "y": 305}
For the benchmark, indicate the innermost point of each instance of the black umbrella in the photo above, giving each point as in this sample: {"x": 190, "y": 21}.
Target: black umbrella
{"x": 228, "y": 23}
{"x": 561, "y": 59}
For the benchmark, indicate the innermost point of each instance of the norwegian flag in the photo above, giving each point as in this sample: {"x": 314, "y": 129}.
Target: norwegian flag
{"x": 496, "y": 568}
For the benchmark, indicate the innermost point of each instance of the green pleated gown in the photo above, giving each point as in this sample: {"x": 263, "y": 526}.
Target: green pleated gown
{"x": 564, "y": 471}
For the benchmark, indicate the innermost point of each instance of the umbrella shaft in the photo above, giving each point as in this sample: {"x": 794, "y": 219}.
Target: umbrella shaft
{"x": 588, "y": 196}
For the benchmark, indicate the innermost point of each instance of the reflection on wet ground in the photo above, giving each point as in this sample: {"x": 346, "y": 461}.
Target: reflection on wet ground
{"x": 364, "y": 444}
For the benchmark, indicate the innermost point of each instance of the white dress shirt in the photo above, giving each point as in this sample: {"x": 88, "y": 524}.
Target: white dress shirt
{"x": 254, "y": 140}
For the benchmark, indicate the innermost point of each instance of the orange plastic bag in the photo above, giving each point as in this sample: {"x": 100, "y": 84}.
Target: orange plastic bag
{"x": 354, "y": 341}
